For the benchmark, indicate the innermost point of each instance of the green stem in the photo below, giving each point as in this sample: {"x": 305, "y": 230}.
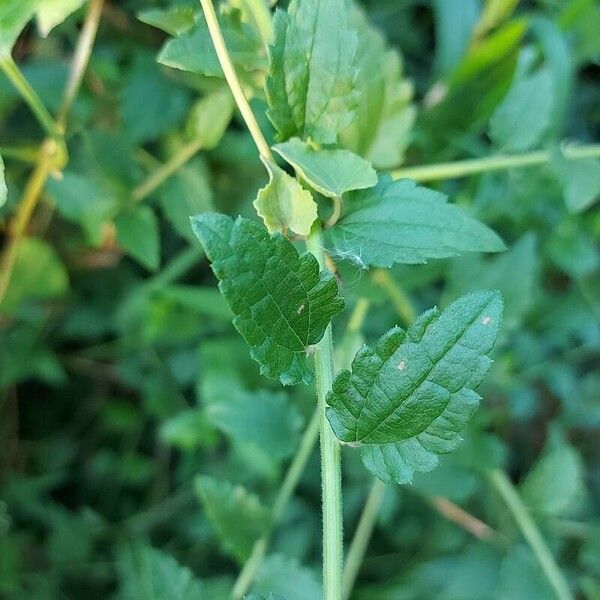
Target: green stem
{"x": 362, "y": 535}
{"x": 163, "y": 172}
{"x": 531, "y": 533}
{"x": 233, "y": 81}
{"x": 463, "y": 168}
{"x": 295, "y": 470}
{"x": 397, "y": 295}
{"x": 29, "y": 95}
{"x": 331, "y": 464}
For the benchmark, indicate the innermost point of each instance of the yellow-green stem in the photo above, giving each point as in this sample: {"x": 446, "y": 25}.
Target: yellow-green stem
{"x": 531, "y": 533}
{"x": 463, "y": 168}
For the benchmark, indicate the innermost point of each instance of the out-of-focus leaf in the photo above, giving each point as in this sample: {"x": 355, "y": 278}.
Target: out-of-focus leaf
{"x": 164, "y": 104}
{"x": 149, "y": 573}
{"x": 401, "y": 389}
{"x": 454, "y": 23}
{"x": 311, "y": 83}
{"x": 284, "y": 204}
{"x": 572, "y": 249}
{"x": 14, "y": 15}
{"x": 524, "y": 115}
{"x": 188, "y": 430}
{"x": 51, "y": 13}
{"x": 287, "y": 578}
{"x": 38, "y": 273}
{"x": 210, "y": 117}
{"x": 193, "y": 49}
{"x": 580, "y": 180}
{"x": 174, "y": 20}
{"x": 330, "y": 172}
{"x": 282, "y": 302}
{"x": 238, "y": 516}
{"x": 262, "y": 418}
{"x": 137, "y": 232}
{"x": 400, "y": 222}
{"x": 521, "y": 577}
{"x": 384, "y": 119}
{"x": 555, "y": 483}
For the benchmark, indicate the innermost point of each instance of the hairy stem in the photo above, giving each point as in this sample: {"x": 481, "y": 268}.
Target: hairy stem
{"x": 531, "y": 533}
{"x": 29, "y": 95}
{"x": 294, "y": 472}
{"x": 463, "y": 168}
{"x": 362, "y": 536}
{"x": 233, "y": 81}
{"x": 331, "y": 463}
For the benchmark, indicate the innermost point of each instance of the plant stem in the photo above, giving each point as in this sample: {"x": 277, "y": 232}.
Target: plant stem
{"x": 531, "y": 533}
{"x": 81, "y": 57}
{"x": 163, "y": 172}
{"x": 362, "y": 536}
{"x": 397, "y": 295}
{"x": 233, "y": 81}
{"x": 463, "y": 168}
{"x": 294, "y": 472}
{"x": 331, "y": 464}
{"x": 29, "y": 95}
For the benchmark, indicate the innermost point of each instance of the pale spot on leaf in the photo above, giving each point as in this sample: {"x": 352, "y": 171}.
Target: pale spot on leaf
{"x": 402, "y": 365}
{"x": 486, "y": 320}
{"x": 300, "y": 309}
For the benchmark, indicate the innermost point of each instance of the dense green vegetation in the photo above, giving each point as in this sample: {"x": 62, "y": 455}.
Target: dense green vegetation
{"x": 393, "y": 247}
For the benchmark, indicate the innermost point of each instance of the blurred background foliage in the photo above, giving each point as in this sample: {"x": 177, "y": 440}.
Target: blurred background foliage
{"x": 140, "y": 450}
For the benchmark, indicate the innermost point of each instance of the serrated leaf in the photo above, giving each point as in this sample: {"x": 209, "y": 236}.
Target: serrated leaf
{"x": 281, "y": 301}
{"x": 310, "y": 87}
{"x": 284, "y": 204}
{"x": 150, "y": 573}
{"x": 3, "y": 188}
{"x": 137, "y": 232}
{"x": 401, "y": 222}
{"x": 193, "y": 49}
{"x": 385, "y": 116}
{"x": 238, "y": 516}
{"x": 580, "y": 180}
{"x": 524, "y": 115}
{"x": 409, "y": 398}
{"x": 14, "y": 15}
{"x": 51, "y": 13}
{"x": 330, "y": 172}
{"x": 262, "y": 418}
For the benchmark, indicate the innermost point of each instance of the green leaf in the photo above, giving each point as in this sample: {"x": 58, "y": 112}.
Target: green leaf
{"x": 210, "y": 117}
{"x": 310, "y": 87}
{"x": 521, "y": 577}
{"x": 580, "y": 180}
{"x": 3, "y": 188}
{"x": 408, "y": 399}
{"x": 262, "y": 418}
{"x": 51, "y": 13}
{"x": 38, "y": 273}
{"x": 284, "y": 204}
{"x": 149, "y": 573}
{"x": 400, "y": 222}
{"x": 193, "y": 49}
{"x": 174, "y": 21}
{"x": 137, "y": 232}
{"x": 287, "y": 578}
{"x": 188, "y": 430}
{"x": 330, "y": 172}
{"x": 281, "y": 302}
{"x": 238, "y": 516}
{"x": 555, "y": 483}
{"x": 524, "y": 115}
{"x": 14, "y": 15}
{"x": 267, "y": 596}
{"x": 384, "y": 119}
